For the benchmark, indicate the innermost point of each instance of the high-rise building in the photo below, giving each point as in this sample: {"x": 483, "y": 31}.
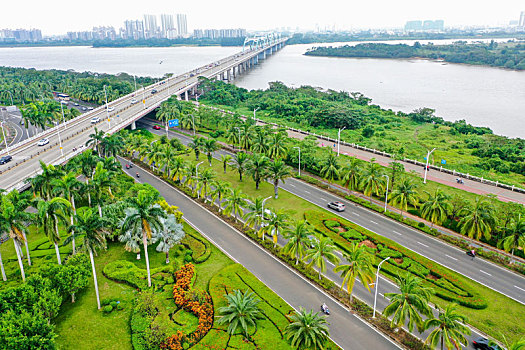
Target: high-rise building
{"x": 150, "y": 26}
{"x": 424, "y": 25}
{"x": 134, "y": 29}
{"x": 219, "y": 33}
{"x": 166, "y": 25}
{"x": 182, "y": 25}
{"x": 522, "y": 20}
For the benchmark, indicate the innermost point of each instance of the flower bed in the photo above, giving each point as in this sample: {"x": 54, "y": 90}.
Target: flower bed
{"x": 444, "y": 282}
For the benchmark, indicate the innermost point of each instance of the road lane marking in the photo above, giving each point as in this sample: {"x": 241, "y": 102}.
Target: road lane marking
{"x": 486, "y": 273}
{"x": 356, "y": 214}
{"x": 324, "y": 200}
{"x": 292, "y": 185}
{"x": 306, "y": 192}
{"x": 374, "y": 222}
{"x": 397, "y": 233}
{"x": 424, "y": 245}
{"x": 381, "y": 294}
{"x": 520, "y": 288}
{"x": 330, "y": 263}
{"x": 451, "y": 257}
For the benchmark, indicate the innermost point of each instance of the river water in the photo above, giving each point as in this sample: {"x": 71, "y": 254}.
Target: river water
{"x": 483, "y": 96}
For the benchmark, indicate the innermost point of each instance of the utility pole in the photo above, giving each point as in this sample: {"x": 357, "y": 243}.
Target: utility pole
{"x": 426, "y": 166}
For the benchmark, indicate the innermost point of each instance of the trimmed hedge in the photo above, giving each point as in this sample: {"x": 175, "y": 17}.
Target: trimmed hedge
{"x": 127, "y": 272}
{"x": 450, "y": 288}
{"x": 204, "y": 253}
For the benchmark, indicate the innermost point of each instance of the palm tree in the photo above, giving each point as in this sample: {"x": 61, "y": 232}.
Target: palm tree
{"x": 307, "y": 330}
{"x": 242, "y": 311}
{"x": 132, "y": 242}
{"x": 449, "y": 329}
{"x": 171, "y": 234}
{"x": 352, "y": 174}
{"x": 100, "y": 185}
{"x": 206, "y": 177}
{"x": 196, "y": 146}
{"x": 209, "y": 146}
{"x": 240, "y": 162}
{"x": 143, "y": 217}
{"x": 409, "y": 303}
{"x": 41, "y": 183}
{"x": 112, "y": 145}
{"x": 21, "y": 202}
{"x": 436, "y": 207}
{"x": 190, "y": 173}
{"x": 91, "y": 228}
{"x": 234, "y": 203}
{"x": 359, "y": 264}
{"x": 95, "y": 139}
{"x": 87, "y": 162}
{"x": 478, "y": 220}
{"x": 515, "y": 238}
{"x": 257, "y": 168}
{"x": 517, "y": 345}
{"x": 298, "y": 237}
{"x": 254, "y": 217}
{"x": 225, "y": 160}
{"x": 50, "y": 215}
{"x": 405, "y": 194}
{"x": 321, "y": 248}
{"x": 277, "y": 146}
{"x": 67, "y": 186}
{"x": 278, "y": 171}
{"x": 372, "y": 180}
{"x": 177, "y": 168}
{"x": 218, "y": 191}
{"x": 330, "y": 170}
{"x": 276, "y": 223}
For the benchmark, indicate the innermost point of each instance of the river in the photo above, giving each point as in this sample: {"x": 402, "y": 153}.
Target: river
{"x": 483, "y": 96}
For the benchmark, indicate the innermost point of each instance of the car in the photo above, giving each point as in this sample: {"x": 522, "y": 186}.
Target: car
{"x": 76, "y": 104}
{"x": 111, "y": 109}
{"x": 43, "y": 142}
{"x": 84, "y": 108}
{"x": 156, "y": 127}
{"x": 95, "y": 120}
{"x": 336, "y": 206}
{"x": 133, "y": 101}
{"x": 90, "y": 108}
{"x": 485, "y": 344}
{"x": 5, "y": 159}
{"x": 154, "y": 91}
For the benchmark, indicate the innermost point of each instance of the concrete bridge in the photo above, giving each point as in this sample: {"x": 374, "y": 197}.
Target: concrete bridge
{"x": 67, "y": 139}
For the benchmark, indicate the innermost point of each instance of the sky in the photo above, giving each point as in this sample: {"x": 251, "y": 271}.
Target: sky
{"x": 58, "y": 17}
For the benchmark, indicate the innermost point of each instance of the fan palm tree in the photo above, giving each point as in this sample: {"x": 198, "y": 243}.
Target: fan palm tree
{"x": 372, "y": 180}
{"x": 50, "y": 214}
{"x": 359, "y": 264}
{"x": 478, "y": 220}
{"x": 240, "y": 162}
{"x": 321, "y": 249}
{"x": 132, "y": 241}
{"x": 242, "y": 311}
{"x": 351, "y": 174}
{"x": 143, "y": 217}
{"x": 449, "y": 329}
{"x": 95, "y": 139}
{"x": 276, "y": 223}
{"x": 404, "y": 194}
{"x": 235, "y": 201}
{"x": 91, "y": 228}
{"x": 209, "y": 146}
{"x": 277, "y": 145}
{"x": 254, "y": 217}
{"x": 278, "y": 171}
{"x": 409, "y": 303}
{"x": 435, "y": 207}
{"x": 225, "y": 160}
{"x": 307, "y": 330}
{"x": 171, "y": 234}
{"x": 515, "y": 238}
{"x": 330, "y": 170}
{"x": 218, "y": 190}
{"x": 298, "y": 237}
{"x": 257, "y": 167}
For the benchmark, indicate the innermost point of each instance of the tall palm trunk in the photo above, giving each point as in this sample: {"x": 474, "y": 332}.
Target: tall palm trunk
{"x": 145, "y": 243}
{"x": 276, "y": 188}
{"x": 89, "y": 194}
{"x": 20, "y": 263}
{"x": 99, "y": 210}
{"x": 94, "y": 276}
{"x": 72, "y": 222}
{"x": 56, "y": 244}
{"x": 27, "y": 248}
{"x": 2, "y": 268}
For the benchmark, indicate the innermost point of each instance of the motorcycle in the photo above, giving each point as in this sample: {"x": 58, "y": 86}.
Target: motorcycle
{"x": 138, "y": 175}
{"x": 127, "y": 166}
{"x": 325, "y": 309}
{"x": 471, "y": 253}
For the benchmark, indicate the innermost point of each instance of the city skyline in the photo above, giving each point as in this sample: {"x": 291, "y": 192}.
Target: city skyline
{"x": 55, "y": 19}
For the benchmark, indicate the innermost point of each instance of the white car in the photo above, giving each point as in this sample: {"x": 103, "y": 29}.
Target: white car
{"x": 133, "y": 101}
{"x": 95, "y": 120}
{"x": 64, "y": 102}
{"x": 111, "y": 109}
{"x": 43, "y": 142}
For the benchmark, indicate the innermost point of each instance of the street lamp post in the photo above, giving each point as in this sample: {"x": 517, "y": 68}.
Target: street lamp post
{"x": 339, "y": 139}
{"x": 60, "y": 141}
{"x": 377, "y": 281}
{"x": 5, "y": 139}
{"x": 239, "y": 129}
{"x": 255, "y": 110}
{"x": 386, "y": 193}
{"x": 197, "y": 176}
{"x": 107, "y": 111}
{"x": 262, "y": 207}
{"x": 63, "y": 117}
{"x": 143, "y": 97}
{"x": 193, "y": 123}
{"x": 426, "y": 166}
{"x": 299, "y": 148}
{"x": 135, "y": 81}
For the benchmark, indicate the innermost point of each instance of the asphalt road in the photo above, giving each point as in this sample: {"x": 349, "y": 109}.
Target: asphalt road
{"x": 479, "y": 270}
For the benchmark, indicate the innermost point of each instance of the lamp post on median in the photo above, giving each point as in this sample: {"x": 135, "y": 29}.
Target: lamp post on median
{"x": 339, "y": 139}
{"x": 255, "y": 110}
{"x": 197, "y": 177}
{"x": 426, "y": 166}
{"x": 60, "y": 140}
{"x": 262, "y": 207}
{"x": 377, "y": 281}
{"x": 299, "y": 148}
{"x": 5, "y": 139}
{"x": 386, "y": 193}
{"x": 193, "y": 123}
{"x": 107, "y": 111}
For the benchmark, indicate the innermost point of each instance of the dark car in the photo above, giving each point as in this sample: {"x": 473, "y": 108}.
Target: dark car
{"x": 336, "y": 206}
{"x": 156, "y": 127}
{"x": 5, "y": 159}
{"x": 154, "y": 91}
{"x": 485, "y": 344}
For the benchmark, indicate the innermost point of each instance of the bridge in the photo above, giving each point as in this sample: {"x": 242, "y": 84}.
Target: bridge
{"x": 74, "y": 133}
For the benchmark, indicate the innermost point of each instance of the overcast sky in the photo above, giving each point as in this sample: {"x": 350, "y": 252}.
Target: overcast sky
{"x": 58, "y": 17}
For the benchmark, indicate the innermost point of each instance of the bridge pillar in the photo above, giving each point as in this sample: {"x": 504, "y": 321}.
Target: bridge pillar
{"x": 233, "y": 72}
{"x": 133, "y": 126}
{"x": 186, "y": 95}
{"x": 228, "y": 75}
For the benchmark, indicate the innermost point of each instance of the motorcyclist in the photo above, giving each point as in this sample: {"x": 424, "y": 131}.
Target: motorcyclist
{"x": 138, "y": 175}
{"x": 324, "y": 308}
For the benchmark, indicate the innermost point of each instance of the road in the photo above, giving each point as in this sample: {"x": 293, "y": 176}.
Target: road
{"x": 479, "y": 270}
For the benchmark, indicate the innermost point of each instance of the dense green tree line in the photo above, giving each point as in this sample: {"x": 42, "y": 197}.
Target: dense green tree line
{"x": 169, "y": 42}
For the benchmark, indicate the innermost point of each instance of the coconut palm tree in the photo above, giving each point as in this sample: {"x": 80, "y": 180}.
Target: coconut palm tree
{"x": 515, "y": 238}
{"x": 277, "y": 145}
{"x": 143, "y": 217}
{"x": 67, "y": 186}
{"x": 321, "y": 249}
{"x": 242, "y": 311}
{"x": 435, "y": 207}
{"x": 372, "y": 180}
{"x": 478, "y": 220}
{"x": 276, "y": 223}
{"x": 307, "y": 330}
{"x": 219, "y": 188}
{"x": 254, "y": 217}
{"x": 257, "y": 167}
{"x": 298, "y": 238}
{"x": 171, "y": 234}
{"x": 409, "y": 303}
{"x": 206, "y": 177}
{"x": 404, "y": 194}
{"x": 330, "y": 170}
{"x": 449, "y": 329}
{"x": 225, "y": 160}
{"x": 91, "y": 228}
{"x": 95, "y": 139}
{"x": 278, "y": 171}
{"x": 240, "y": 162}
{"x": 359, "y": 265}
{"x": 235, "y": 201}
{"x": 351, "y": 174}
{"x": 50, "y": 214}
{"x": 209, "y": 146}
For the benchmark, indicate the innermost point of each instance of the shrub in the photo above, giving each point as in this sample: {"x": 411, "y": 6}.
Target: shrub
{"x": 107, "y": 309}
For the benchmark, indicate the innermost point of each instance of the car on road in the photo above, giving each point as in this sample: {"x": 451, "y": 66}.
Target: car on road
{"x": 84, "y": 108}
{"x": 90, "y": 108}
{"x": 336, "y": 206}
{"x": 76, "y": 104}
{"x": 95, "y": 120}
{"x": 111, "y": 109}
{"x": 5, "y": 159}
{"x": 156, "y": 127}
{"x": 485, "y": 344}
{"x": 154, "y": 91}
{"x": 43, "y": 142}
{"x": 133, "y": 101}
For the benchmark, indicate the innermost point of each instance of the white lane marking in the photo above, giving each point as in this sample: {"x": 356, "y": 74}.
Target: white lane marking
{"x": 381, "y": 294}
{"x": 486, "y": 273}
{"x": 423, "y": 244}
{"x": 374, "y": 222}
{"x": 397, "y": 233}
{"x": 324, "y": 200}
{"x": 356, "y": 214}
{"x": 330, "y": 263}
{"x": 520, "y": 288}
{"x": 451, "y": 257}
{"x": 338, "y": 253}
{"x": 306, "y": 192}
{"x": 292, "y": 185}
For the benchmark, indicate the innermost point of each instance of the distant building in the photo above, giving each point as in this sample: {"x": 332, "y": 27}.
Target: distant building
{"x": 150, "y": 26}
{"x": 167, "y": 25}
{"x": 219, "y": 33}
{"x": 521, "y": 23}
{"x": 21, "y": 35}
{"x": 413, "y": 25}
{"x": 427, "y": 25}
{"x": 104, "y": 33}
{"x": 80, "y": 36}
{"x": 133, "y": 29}
{"x": 182, "y": 25}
